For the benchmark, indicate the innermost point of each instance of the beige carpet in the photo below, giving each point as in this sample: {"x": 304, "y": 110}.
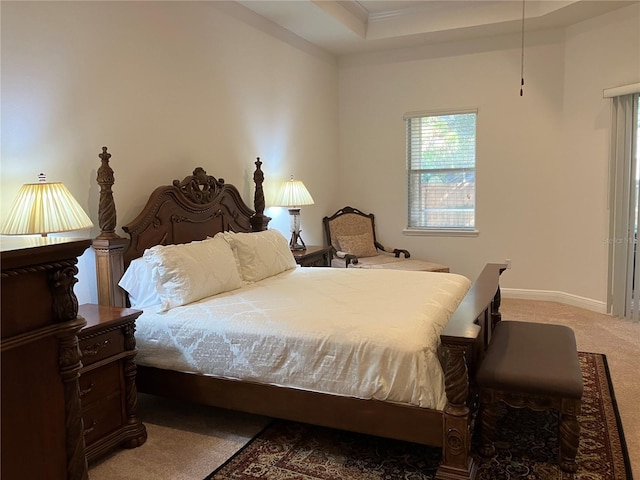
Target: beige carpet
{"x": 186, "y": 442}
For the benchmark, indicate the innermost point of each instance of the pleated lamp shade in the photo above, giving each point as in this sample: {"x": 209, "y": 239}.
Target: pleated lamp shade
{"x": 42, "y": 208}
{"x": 293, "y": 193}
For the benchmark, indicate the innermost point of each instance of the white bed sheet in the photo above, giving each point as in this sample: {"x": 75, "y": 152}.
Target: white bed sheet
{"x": 369, "y": 334}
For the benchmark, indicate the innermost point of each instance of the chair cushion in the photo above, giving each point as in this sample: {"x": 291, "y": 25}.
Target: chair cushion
{"x": 360, "y": 245}
{"x": 532, "y": 358}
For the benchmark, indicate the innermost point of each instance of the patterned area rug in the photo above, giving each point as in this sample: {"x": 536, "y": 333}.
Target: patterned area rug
{"x": 289, "y": 450}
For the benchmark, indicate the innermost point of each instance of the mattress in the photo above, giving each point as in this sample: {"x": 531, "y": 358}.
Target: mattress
{"x": 370, "y": 334}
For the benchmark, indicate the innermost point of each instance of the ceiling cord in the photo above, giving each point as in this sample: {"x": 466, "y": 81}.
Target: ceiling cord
{"x": 522, "y": 54}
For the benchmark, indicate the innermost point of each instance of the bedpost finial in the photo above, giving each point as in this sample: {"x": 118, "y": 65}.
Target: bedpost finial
{"x": 104, "y": 156}
{"x": 106, "y": 206}
{"x": 259, "y": 221}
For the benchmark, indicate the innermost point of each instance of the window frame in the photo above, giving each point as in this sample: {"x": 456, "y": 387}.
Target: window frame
{"x": 434, "y": 230}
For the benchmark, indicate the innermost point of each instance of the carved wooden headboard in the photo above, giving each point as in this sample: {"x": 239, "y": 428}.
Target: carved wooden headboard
{"x": 190, "y": 209}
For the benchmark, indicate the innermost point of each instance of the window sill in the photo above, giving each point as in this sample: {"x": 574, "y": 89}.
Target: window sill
{"x": 441, "y": 232}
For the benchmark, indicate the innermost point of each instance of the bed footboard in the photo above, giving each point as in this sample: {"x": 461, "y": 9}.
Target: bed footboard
{"x": 464, "y": 341}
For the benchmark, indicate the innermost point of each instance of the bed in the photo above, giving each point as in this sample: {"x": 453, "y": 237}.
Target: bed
{"x": 201, "y": 209}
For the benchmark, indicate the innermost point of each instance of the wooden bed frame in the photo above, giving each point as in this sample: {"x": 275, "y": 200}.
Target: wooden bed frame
{"x": 201, "y": 206}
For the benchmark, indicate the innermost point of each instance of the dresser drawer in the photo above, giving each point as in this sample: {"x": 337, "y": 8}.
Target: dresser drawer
{"x": 100, "y": 346}
{"x": 102, "y": 418}
{"x": 99, "y": 383}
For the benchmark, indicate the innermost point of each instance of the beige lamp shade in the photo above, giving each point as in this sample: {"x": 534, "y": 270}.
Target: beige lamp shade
{"x": 293, "y": 193}
{"x": 42, "y": 208}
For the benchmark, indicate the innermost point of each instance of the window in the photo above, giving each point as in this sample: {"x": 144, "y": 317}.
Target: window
{"x": 441, "y": 171}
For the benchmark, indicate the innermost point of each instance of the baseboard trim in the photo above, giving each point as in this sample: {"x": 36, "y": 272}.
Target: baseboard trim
{"x": 551, "y": 296}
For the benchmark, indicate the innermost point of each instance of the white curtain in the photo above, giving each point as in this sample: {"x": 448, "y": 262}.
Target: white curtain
{"x": 623, "y": 298}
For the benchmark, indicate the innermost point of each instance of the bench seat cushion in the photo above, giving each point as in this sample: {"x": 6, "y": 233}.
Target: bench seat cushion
{"x": 532, "y": 358}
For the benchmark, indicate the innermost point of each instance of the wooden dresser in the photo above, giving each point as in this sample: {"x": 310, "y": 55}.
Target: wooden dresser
{"x": 42, "y": 432}
{"x": 107, "y": 379}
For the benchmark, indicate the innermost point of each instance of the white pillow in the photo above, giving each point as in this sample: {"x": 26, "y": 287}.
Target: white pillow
{"x": 139, "y": 282}
{"x": 261, "y": 254}
{"x": 188, "y": 272}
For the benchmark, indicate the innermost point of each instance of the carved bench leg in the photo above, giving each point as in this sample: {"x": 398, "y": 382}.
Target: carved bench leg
{"x": 488, "y": 420}
{"x": 568, "y": 437}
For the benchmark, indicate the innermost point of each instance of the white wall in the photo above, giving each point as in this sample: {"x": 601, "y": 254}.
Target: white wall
{"x": 599, "y": 54}
{"x": 167, "y": 86}
{"x": 541, "y": 158}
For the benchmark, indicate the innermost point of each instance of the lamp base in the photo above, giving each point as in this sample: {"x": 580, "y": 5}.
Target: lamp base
{"x": 296, "y": 243}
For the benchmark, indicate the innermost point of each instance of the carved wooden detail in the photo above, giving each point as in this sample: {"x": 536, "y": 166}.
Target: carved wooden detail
{"x": 65, "y": 302}
{"x": 108, "y": 246}
{"x": 95, "y": 348}
{"x": 488, "y": 428}
{"x": 106, "y": 207}
{"x": 259, "y": 221}
{"x": 38, "y": 268}
{"x": 200, "y": 188}
{"x": 194, "y": 208}
{"x": 456, "y": 378}
{"x": 569, "y": 438}
{"x": 131, "y": 392}
{"x": 129, "y": 337}
{"x": 70, "y": 366}
{"x": 457, "y": 462}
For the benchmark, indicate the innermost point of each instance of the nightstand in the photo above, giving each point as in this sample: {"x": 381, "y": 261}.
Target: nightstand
{"x": 314, "y": 256}
{"x": 108, "y": 379}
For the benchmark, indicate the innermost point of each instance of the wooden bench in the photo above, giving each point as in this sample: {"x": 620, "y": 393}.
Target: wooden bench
{"x": 536, "y": 366}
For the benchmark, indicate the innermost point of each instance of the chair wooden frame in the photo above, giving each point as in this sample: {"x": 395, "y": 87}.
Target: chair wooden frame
{"x": 349, "y": 258}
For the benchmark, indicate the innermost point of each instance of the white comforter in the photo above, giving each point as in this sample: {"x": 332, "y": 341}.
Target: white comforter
{"x": 369, "y": 334}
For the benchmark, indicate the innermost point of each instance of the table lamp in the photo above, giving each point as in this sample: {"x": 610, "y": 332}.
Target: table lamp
{"x": 293, "y": 194}
{"x": 43, "y": 208}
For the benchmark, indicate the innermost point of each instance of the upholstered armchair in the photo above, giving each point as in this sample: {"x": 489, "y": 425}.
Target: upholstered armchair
{"x": 352, "y": 235}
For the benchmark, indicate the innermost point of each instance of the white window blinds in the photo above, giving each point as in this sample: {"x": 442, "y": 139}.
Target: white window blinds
{"x": 623, "y": 298}
{"x": 441, "y": 168}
